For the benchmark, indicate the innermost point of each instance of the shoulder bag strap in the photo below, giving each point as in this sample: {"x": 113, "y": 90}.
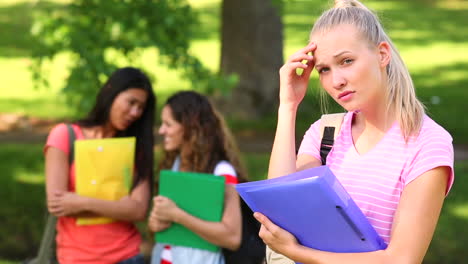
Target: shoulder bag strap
{"x": 330, "y": 126}
{"x": 71, "y": 144}
{"x": 47, "y": 248}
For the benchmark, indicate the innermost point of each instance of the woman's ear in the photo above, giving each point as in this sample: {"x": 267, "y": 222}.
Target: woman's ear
{"x": 385, "y": 53}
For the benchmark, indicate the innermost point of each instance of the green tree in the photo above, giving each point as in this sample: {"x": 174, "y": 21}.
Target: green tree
{"x": 91, "y": 30}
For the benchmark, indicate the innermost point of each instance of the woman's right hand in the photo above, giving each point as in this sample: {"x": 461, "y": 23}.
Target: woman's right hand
{"x": 293, "y": 86}
{"x": 155, "y": 224}
{"x": 64, "y": 203}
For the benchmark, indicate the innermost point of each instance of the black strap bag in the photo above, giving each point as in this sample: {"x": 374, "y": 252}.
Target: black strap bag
{"x": 252, "y": 248}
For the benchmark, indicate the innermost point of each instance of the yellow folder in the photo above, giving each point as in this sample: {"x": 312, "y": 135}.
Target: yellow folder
{"x": 104, "y": 170}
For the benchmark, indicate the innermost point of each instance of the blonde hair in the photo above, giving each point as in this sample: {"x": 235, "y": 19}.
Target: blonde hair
{"x": 401, "y": 95}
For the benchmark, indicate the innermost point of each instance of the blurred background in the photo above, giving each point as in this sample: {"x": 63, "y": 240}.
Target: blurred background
{"x": 54, "y": 56}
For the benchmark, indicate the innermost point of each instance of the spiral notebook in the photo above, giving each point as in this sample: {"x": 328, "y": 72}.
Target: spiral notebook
{"x": 313, "y": 206}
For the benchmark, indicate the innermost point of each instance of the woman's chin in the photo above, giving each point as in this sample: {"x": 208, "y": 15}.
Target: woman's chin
{"x": 350, "y": 108}
{"x": 122, "y": 127}
{"x": 168, "y": 147}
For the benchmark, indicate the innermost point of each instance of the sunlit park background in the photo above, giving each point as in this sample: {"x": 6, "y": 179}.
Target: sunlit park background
{"x": 432, "y": 36}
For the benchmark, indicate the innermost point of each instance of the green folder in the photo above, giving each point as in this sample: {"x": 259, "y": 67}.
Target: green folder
{"x": 199, "y": 194}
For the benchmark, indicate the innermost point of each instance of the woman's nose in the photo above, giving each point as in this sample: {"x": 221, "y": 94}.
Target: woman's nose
{"x": 338, "y": 80}
{"x": 136, "y": 111}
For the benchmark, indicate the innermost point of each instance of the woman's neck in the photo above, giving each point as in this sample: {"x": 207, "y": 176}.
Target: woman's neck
{"x": 103, "y": 131}
{"x": 379, "y": 119}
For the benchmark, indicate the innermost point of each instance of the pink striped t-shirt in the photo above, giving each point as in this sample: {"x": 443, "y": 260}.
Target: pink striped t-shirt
{"x": 376, "y": 179}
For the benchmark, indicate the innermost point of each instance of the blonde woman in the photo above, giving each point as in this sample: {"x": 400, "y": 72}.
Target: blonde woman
{"x": 395, "y": 161}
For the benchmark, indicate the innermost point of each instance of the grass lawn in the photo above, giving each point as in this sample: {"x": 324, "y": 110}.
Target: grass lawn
{"x": 431, "y": 35}
{"x": 23, "y": 186}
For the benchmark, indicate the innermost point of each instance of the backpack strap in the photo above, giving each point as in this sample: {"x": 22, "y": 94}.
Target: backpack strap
{"x": 330, "y": 126}
{"x": 46, "y": 253}
{"x": 71, "y": 143}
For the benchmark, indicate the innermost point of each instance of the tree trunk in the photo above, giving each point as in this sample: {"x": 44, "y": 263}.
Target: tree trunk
{"x": 252, "y": 48}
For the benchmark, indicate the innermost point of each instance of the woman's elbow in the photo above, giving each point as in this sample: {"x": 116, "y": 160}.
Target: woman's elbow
{"x": 401, "y": 257}
{"x": 234, "y": 242}
{"x": 140, "y": 215}
{"x": 136, "y": 211}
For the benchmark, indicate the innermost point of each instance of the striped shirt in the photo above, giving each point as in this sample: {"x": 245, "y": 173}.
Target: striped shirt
{"x": 375, "y": 180}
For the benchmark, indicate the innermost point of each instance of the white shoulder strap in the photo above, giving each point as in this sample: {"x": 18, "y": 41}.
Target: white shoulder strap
{"x": 331, "y": 120}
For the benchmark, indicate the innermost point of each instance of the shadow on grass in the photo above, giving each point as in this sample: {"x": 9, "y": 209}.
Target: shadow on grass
{"x": 22, "y": 205}
{"x": 16, "y": 21}
{"x": 445, "y": 104}
{"x": 408, "y": 22}
{"x": 425, "y": 23}
{"x": 451, "y": 237}
{"x": 48, "y": 108}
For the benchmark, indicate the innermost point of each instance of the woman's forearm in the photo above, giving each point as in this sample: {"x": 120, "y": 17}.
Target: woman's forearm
{"x": 125, "y": 209}
{"x": 130, "y": 208}
{"x": 283, "y": 154}
{"x": 226, "y": 233}
{"x": 217, "y": 233}
{"x": 310, "y": 256}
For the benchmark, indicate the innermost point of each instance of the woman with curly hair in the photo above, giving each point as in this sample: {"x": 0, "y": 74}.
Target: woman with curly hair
{"x": 196, "y": 139}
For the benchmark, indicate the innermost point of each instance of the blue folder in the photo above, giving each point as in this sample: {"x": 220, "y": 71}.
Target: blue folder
{"x": 313, "y": 206}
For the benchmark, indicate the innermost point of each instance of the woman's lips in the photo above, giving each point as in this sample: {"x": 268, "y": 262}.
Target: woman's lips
{"x": 346, "y": 95}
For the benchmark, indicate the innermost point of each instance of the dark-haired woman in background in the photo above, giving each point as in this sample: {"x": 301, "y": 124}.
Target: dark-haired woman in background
{"x": 124, "y": 107}
{"x": 197, "y": 140}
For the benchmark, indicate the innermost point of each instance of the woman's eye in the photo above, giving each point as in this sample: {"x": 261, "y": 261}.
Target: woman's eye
{"x": 347, "y": 61}
{"x": 323, "y": 70}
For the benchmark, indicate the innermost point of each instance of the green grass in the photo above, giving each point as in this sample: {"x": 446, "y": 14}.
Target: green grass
{"x": 7, "y": 262}
{"x": 22, "y": 199}
{"x": 451, "y": 236}
{"x": 22, "y": 205}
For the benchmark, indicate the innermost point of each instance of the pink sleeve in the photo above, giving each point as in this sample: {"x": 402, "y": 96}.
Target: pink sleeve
{"x": 311, "y": 141}
{"x": 433, "y": 150}
{"x": 58, "y": 138}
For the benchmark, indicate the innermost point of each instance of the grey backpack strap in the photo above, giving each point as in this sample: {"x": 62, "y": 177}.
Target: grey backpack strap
{"x": 330, "y": 126}
{"x": 47, "y": 249}
{"x": 71, "y": 144}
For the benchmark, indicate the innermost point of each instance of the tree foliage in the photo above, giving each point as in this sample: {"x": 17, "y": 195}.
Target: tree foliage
{"x": 93, "y": 31}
